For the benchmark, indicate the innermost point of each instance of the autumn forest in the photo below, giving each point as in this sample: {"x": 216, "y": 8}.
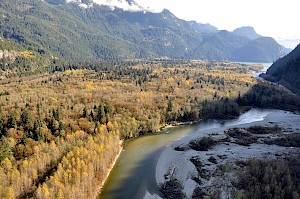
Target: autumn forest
{"x": 61, "y": 131}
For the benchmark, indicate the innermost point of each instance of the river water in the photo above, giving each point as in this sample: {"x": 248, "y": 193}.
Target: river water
{"x": 264, "y": 70}
{"x": 134, "y": 172}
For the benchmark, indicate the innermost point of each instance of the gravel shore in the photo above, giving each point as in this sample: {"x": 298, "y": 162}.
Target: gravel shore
{"x": 213, "y": 171}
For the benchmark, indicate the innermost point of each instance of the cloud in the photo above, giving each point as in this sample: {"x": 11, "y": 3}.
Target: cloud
{"x": 131, "y": 6}
{"x": 81, "y": 4}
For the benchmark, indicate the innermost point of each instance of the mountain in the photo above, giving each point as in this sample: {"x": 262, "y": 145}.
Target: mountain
{"x": 286, "y": 71}
{"x": 226, "y": 46}
{"x": 84, "y": 30}
{"x": 221, "y": 45}
{"x": 247, "y": 31}
{"x": 98, "y": 32}
{"x": 289, "y": 43}
{"x": 203, "y": 28}
{"x": 263, "y": 49}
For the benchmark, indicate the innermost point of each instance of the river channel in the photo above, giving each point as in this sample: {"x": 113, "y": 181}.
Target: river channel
{"x": 134, "y": 172}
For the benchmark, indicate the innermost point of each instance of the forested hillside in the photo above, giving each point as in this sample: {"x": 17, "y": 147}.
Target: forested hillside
{"x": 286, "y": 71}
{"x": 99, "y": 33}
{"x": 23, "y": 60}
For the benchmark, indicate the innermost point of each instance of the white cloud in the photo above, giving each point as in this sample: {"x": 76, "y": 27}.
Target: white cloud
{"x": 119, "y": 4}
{"x": 122, "y": 4}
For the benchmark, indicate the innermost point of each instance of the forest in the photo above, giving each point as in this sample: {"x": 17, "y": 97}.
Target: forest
{"x": 269, "y": 179}
{"x": 61, "y": 130}
{"x": 19, "y": 60}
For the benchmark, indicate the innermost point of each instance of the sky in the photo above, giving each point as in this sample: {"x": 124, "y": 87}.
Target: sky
{"x": 275, "y": 18}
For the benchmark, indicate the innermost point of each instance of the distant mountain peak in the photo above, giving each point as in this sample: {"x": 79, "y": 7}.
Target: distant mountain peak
{"x": 246, "y": 31}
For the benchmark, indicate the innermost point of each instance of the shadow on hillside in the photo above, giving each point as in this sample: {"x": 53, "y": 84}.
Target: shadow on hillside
{"x": 261, "y": 95}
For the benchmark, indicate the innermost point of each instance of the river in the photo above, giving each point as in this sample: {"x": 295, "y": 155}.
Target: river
{"x": 257, "y": 73}
{"x": 134, "y": 172}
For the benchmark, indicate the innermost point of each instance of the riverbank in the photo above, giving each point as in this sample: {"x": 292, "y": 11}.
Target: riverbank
{"x": 175, "y": 124}
{"x": 109, "y": 170}
{"x": 213, "y": 171}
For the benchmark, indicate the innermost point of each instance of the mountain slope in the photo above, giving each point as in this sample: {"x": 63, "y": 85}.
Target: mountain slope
{"x": 220, "y": 45}
{"x": 263, "y": 49}
{"x": 287, "y": 70}
{"x": 85, "y": 31}
{"x": 22, "y": 60}
{"x": 162, "y": 33}
{"x": 42, "y": 25}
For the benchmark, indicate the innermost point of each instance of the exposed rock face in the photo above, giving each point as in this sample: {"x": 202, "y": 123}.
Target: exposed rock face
{"x": 11, "y": 56}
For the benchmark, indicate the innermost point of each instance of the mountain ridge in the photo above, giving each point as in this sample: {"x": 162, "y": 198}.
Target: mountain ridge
{"x": 286, "y": 71}
{"x": 203, "y": 28}
{"x": 100, "y": 32}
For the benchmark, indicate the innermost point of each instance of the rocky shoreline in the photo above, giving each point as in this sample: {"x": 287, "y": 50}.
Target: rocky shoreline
{"x": 207, "y": 164}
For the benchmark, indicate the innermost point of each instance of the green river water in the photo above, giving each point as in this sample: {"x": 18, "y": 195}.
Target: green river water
{"x": 134, "y": 172}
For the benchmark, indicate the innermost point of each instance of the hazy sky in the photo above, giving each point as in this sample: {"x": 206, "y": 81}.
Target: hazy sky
{"x": 277, "y": 18}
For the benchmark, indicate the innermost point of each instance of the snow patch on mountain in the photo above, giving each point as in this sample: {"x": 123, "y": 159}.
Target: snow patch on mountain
{"x": 131, "y": 6}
